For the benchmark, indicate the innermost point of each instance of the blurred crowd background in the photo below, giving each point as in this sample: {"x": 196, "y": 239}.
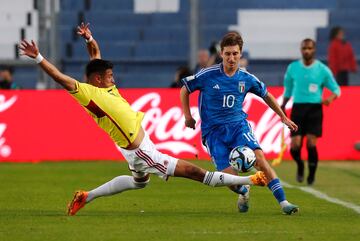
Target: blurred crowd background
{"x": 154, "y": 43}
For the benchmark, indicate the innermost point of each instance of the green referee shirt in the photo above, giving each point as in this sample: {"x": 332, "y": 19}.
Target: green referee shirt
{"x": 306, "y": 83}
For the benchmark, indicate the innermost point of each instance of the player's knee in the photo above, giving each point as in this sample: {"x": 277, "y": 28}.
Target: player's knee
{"x": 310, "y": 145}
{"x": 311, "y": 141}
{"x": 261, "y": 163}
{"x": 295, "y": 147}
{"x": 141, "y": 180}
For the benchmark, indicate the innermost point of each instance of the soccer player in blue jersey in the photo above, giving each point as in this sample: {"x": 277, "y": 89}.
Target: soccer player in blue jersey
{"x": 305, "y": 80}
{"x": 223, "y": 88}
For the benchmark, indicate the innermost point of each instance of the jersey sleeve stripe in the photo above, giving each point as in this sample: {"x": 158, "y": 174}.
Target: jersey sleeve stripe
{"x": 203, "y": 71}
{"x": 200, "y": 102}
{"x": 265, "y": 94}
{"x": 184, "y": 81}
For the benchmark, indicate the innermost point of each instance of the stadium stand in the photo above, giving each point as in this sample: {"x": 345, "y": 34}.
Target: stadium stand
{"x": 132, "y": 37}
{"x": 16, "y": 23}
{"x": 18, "y": 20}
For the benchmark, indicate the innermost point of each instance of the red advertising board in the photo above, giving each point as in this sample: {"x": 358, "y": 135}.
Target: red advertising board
{"x": 51, "y": 126}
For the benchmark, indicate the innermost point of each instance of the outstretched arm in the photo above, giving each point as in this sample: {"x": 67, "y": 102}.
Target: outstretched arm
{"x": 185, "y": 104}
{"x": 272, "y": 103}
{"x": 32, "y": 51}
{"x": 92, "y": 46}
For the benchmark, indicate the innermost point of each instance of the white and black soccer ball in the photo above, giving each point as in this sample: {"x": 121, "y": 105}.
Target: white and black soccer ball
{"x": 242, "y": 158}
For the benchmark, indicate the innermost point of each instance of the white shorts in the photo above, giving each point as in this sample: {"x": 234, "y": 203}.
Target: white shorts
{"x": 146, "y": 159}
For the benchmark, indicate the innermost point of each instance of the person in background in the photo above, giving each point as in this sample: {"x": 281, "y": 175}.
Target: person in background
{"x": 181, "y": 72}
{"x": 6, "y": 78}
{"x": 244, "y": 61}
{"x": 215, "y": 54}
{"x": 341, "y": 56}
{"x": 305, "y": 80}
{"x": 203, "y": 58}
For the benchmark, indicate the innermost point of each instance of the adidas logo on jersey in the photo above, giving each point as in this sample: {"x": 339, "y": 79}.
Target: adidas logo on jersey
{"x": 216, "y": 87}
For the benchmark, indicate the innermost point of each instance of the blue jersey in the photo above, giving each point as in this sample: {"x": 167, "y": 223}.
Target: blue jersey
{"x": 221, "y": 97}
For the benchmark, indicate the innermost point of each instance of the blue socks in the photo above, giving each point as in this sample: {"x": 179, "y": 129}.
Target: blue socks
{"x": 277, "y": 190}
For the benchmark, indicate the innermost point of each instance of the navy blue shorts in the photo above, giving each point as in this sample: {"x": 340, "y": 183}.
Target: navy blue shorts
{"x": 222, "y": 139}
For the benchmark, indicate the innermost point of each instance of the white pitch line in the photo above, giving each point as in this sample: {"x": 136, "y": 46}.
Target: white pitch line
{"x": 324, "y": 196}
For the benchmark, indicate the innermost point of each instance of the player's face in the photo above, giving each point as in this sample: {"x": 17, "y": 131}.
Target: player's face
{"x": 231, "y": 57}
{"x": 107, "y": 79}
{"x": 308, "y": 50}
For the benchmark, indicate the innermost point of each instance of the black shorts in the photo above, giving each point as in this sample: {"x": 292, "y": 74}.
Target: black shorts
{"x": 308, "y": 117}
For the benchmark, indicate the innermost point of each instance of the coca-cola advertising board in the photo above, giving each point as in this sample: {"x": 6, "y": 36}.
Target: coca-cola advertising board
{"x": 50, "y": 126}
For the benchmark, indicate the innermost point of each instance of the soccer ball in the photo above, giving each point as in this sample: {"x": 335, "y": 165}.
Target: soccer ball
{"x": 242, "y": 158}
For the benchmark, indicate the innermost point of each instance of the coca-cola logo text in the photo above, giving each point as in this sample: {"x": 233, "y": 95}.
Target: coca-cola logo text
{"x": 167, "y": 126}
{"x": 157, "y": 122}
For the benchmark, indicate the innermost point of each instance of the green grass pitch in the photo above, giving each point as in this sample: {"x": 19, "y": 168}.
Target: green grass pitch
{"x": 33, "y": 200}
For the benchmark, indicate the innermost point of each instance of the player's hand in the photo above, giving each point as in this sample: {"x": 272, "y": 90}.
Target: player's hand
{"x": 326, "y": 102}
{"x": 289, "y": 123}
{"x": 190, "y": 123}
{"x": 84, "y": 31}
{"x": 28, "y": 49}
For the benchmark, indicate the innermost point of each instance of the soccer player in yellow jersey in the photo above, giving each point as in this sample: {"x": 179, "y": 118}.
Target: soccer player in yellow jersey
{"x": 113, "y": 114}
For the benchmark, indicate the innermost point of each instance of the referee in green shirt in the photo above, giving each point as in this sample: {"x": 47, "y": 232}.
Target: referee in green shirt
{"x": 304, "y": 81}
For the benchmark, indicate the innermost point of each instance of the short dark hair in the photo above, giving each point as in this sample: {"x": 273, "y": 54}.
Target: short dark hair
{"x": 334, "y": 31}
{"x": 309, "y": 40}
{"x": 98, "y": 66}
{"x": 230, "y": 39}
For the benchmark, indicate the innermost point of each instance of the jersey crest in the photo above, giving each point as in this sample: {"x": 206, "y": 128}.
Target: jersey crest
{"x": 242, "y": 86}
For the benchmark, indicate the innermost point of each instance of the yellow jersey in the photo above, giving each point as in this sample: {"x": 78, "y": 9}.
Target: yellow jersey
{"x": 110, "y": 111}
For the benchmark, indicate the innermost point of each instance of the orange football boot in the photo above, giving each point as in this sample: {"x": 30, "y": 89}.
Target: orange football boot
{"x": 77, "y": 202}
{"x": 259, "y": 179}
